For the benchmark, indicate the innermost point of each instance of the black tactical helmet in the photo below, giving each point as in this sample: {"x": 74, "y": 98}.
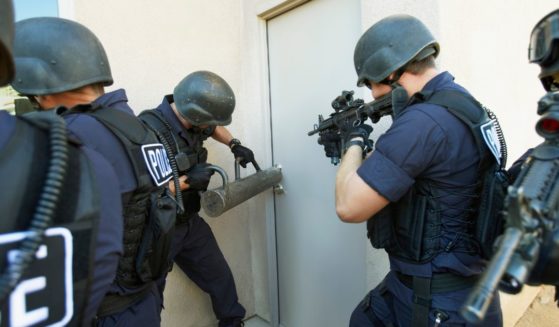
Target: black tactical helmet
{"x": 6, "y": 38}
{"x": 54, "y": 55}
{"x": 390, "y": 45}
{"x": 204, "y": 98}
{"x": 544, "y": 47}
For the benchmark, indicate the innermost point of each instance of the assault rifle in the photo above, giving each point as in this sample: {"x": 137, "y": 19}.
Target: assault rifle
{"x": 349, "y": 111}
{"x": 528, "y": 251}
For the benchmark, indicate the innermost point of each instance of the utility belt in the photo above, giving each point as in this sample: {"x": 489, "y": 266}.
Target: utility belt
{"x": 441, "y": 283}
{"x": 115, "y": 303}
{"x": 423, "y": 287}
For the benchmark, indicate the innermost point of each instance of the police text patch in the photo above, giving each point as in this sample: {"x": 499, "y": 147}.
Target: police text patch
{"x": 157, "y": 163}
{"x": 491, "y": 139}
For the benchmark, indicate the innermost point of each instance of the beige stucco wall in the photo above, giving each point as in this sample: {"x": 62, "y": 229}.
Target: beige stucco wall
{"x": 153, "y": 44}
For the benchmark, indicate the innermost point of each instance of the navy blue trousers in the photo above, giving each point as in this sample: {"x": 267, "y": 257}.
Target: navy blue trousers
{"x": 390, "y": 304}
{"x": 196, "y": 252}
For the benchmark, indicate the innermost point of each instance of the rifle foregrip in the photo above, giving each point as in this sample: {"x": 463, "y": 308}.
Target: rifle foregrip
{"x": 478, "y": 302}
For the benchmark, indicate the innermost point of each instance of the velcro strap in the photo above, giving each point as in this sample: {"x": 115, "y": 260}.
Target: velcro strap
{"x": 421, "y": 301}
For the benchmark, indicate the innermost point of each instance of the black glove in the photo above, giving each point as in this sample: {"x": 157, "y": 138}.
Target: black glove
{"x": 244, "y": 155}
{"x": 332, "y": 143}
{"x": 359, "y": 135}
{"x": 198, "y": 177}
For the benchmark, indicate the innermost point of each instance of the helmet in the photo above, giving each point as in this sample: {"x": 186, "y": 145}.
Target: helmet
{"x": 6, "y": 38}
{"x": 390, "y": 45}
{"x": 54, "y": 55}
{"x": 204, "y": 98}
{"x": 544, "y": 47}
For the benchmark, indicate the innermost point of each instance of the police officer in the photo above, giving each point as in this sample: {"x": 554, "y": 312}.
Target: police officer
{"x": 199, "y": 108}
{"x": 417, "y": 189}
{"x": 61, "y": 62}
{"x": 543, "y": 50}
{"x": 30, "y": 169}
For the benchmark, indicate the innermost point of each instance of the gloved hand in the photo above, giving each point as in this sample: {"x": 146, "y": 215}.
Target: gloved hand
{"x": 332, "y": 143}
{"x": 244, "y": 155}
{"x": 359, "y": 135}
{"x": 198, "y": 177}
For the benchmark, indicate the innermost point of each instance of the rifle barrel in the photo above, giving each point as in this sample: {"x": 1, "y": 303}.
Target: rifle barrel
{"x": 476, "y": 305}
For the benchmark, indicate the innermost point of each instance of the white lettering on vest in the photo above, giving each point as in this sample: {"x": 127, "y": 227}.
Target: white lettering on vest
{"x": 20, "y": 317}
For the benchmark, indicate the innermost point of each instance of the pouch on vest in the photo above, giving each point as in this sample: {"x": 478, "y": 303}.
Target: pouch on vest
{"x": 411, "y": 226}
{"x": 490, "y": 220}
{"x": 380, "y": 229}
{"x": 408, "y": 229}
{"x": 157, "y": 238}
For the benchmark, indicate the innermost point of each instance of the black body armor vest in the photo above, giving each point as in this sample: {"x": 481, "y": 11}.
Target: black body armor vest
{"x": 185, "y": 155}
{"x": 411, "y": 228}
{"x": 61, "y": 271}
{"x": 149, "y": 214}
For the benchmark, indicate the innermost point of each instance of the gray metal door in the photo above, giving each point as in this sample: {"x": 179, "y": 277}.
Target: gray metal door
{"x": 321, "y": 261}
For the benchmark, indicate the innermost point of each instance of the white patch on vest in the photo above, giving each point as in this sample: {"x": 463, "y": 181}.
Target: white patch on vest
{"x": 157, "y": 163}
{"x": 52, "y": 266}
{"x": 491, "y": 139}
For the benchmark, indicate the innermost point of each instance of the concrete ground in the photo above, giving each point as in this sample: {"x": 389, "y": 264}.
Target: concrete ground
{"x": 543, "y": 312}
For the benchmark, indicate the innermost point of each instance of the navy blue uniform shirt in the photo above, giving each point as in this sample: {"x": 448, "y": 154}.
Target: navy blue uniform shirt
{"x": 427, "y": 142}
{"x": 108, "y": 247}
{"x": 96, "y": 136}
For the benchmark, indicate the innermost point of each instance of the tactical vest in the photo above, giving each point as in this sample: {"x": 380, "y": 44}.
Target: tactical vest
{"x": 146, "y": 240}
{"x": 185, "y": 155}
{"x": 62, "y": 270}
{"x": 411, "y": 229}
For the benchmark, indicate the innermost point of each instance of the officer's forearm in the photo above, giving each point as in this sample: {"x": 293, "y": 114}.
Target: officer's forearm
{"x": 356, "y": 201}
{"x": 351, "y": 160}
{"x": 222, "y": 135}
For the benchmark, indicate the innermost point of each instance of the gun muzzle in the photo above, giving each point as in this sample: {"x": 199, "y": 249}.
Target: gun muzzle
{"x": 215, "y": 202}
{"x": 478, "y": 302}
